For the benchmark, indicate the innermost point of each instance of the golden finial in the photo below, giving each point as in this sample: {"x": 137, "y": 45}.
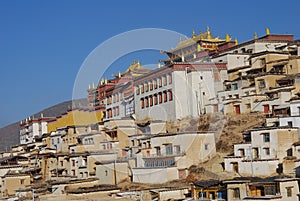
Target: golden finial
{"x": 119, "y": 74}
{"x": 209, "y": 36}
{"x": 201, "y": 34}
{"x": 255, "y": 35}
{"x": 267, "y": 31}
{"x": 228, "y": 39}
{"x": 180, "y": 39}
{"x": 236, "y": 41}
{"x": 208, "y": 30}
{"x": 193, "y": 33}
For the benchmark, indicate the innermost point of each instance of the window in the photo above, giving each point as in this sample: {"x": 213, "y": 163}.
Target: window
{"x": 261, "y": 84}
{"x": 117, "y": 111}
{"x": 146, "y": 87}
{"x": 114, "y": 109}
{"x": 227, "y": 87}
{"x": 236, "y": 193}
{"x": 151, "y": 86}
{"x": 235, "y": 87}
{"x": 73, "y": 163}
{"x": 266, "y": 137}
{"x": 155, "y": 99}
{"x": 289, "y": 191}
{"x": 270, "y": 189}
{"x": 147, "y": 102}
{"x": 206, "y": 146}
{"x": 160, "y": 82}
{"x": 267, "y": 151}
{"x": 142, "y": 89}
{"x": 158, "y": 153}
{"x": 165, "y": 80}
{"x": 155, "y": 84}
{"x": 142, "y": 103}
{"x": 151, "y": 101}
{"x": 242, "y": 152}
{"x": 170, "y": 95}
{"x": 177, "y": 149}
{"x": 165, "y": 96}
{"x": 160, "y": 97}
{"x": 290, "y": 124}
{"x": 170, "y": 78}
{"x": 22, "y": 181}
{"x": 169, "y": 149}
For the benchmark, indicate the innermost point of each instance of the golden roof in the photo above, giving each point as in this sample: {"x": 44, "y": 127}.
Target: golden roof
{"x": 135, "y": 69}
{"x": 207, "y": 36}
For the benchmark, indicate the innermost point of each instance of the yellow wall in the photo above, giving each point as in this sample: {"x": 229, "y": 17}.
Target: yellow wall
{"x": 14, "y": 183}
{"x": 77, "y": 118}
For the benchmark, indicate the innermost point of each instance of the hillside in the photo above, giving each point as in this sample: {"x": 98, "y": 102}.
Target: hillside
{"x": 10, "y": 133}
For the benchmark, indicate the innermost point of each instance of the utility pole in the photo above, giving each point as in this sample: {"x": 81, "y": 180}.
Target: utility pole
{"x": 197, "y": 100}
{"x": 200, "y": 100}
{"x": 187, "y": 89}
{"x": 56, "y": 162}
{"x": 115, "y": 171}
{"x": 251, "y": 157}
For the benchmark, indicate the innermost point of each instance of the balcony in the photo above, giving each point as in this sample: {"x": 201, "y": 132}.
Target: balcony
{"x": 164, "y": 155}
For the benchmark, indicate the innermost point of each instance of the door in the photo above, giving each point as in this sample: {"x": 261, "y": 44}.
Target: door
{"x": 266, "y": 109}
{"x": 235, "y": 167}
{"x": 237, "y": 109}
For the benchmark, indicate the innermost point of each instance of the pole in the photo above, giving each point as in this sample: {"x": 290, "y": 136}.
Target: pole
{"x": 200, "y": 99}
{"x": 56, "y": 163}
{"x": 252, "y": 173}
{"x": 197, "y": 100}
{"x": 115, "y": 171}
{"x": 187, "y": 89}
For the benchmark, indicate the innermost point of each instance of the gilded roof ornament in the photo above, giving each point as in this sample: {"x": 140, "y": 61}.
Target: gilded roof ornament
{"x": 236, "y": 41}
{"x": 209, "y": 36}
{"x": 255, "y": 35}
{"x": 267, "y": 31}
{"x": 193, "y": 33}
{"x": 227, "y": 39}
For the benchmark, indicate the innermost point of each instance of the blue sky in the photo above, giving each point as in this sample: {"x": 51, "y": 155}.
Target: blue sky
{"x": 44, "y": 43}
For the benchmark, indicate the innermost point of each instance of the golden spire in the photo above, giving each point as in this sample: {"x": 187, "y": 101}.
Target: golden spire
{"x": 255, "y": 35}
{"x": 119, "y": 74}
{"x": 193, "y": 33}
{"x": 208, "y": 33}
{"x": 201, "y": 34}
{"x": 236, "y": 41}
{"x": 228, "y": 39}
{"x": 267, "y": 31}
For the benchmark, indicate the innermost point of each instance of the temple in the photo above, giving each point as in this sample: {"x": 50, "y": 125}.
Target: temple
{"x": 198, "y": 46}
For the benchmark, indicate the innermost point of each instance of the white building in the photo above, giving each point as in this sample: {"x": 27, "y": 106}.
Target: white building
{"x": 262, "y": 151}
{"x": 32, "y": 128}
{"x": 270, "y": 188}
{"x": 294, "y": 119}
{"x": 179, "y": 90}
{"x": 165, "y": 157}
